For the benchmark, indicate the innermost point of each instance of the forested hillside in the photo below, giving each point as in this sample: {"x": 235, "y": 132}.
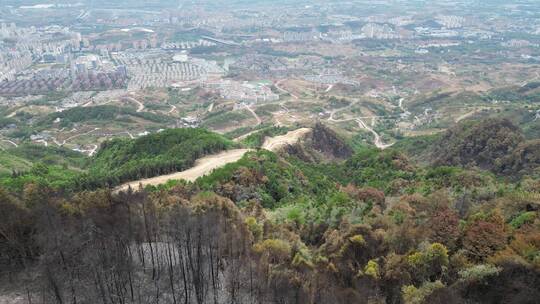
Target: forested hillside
{"x": 169, "y": 151}
{"x": 117, "y": 160}
{"x": 277, "y": 228}
{"x": 55, "y": 167}
{"x": 491, "y": 144}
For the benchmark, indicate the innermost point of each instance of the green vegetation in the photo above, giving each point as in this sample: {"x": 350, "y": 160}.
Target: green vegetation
{"x": 48, "y": 166}
{"x": 375, "y": 169}
{"x": 28, "y": 124}
{"x": 415, "y": 146}
{"x": 54, "y": 177}
{"x": 117, "y": 161}
{"x": 245, "y": 130}
{"x": 49, "y": 155}
{"x": 223, "y": 118}
{"x": 98, "y": 113}
{"x": 374, "y": 227}
{"x": 10, "y": 163}
{"x": 256, "y": 139}
{"x": 5, "y": 121}
{"x": 527, "y": 93}
{"x": 172, "y": 150}
{"x": 523, "y": 117}
{"x": 283, "y": 182}
{"x": 51, "y": 96}
{"x": 491, "y": 144}
{"x": 522, "y": 219}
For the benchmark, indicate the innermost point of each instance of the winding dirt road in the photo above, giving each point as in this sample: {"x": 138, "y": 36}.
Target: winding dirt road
{"x": 277, "y": 85}
{"x": 10, "y": 142}
{"x": 242, "y": 137}
{"x": 468, "y": 114}
{"x": 259, "y": 120}
{"x": 276, "y": 143}
{"x": 140, "y": 105}
{"x": 378, "y": 141}
{"x": 78, "y": 135}
{"x": 43, "y": 141}
{"x": 207, "y": 164}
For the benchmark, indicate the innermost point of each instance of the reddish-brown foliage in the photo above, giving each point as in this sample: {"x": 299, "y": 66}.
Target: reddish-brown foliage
{"x": 444, "y": 227}
{"x": 482, "y": 239}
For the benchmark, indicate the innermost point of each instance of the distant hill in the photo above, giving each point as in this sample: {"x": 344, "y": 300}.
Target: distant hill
{"x": 102, "y": 113}
{"x": 491, "y": 144}
{"x": 21, "y": 158}
{"x": 481, "y": 144}
{"x": 54, "y": 167}
{"x": 524, "y": 159}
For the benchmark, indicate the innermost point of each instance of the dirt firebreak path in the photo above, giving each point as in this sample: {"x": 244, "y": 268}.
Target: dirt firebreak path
{"x": 202, "y": 167}
{"x": 207, "y": 164}
{"x": 276, "y": 143}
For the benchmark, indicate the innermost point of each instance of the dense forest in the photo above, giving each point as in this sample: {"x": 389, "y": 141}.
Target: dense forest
{"x": 362, "y": 226}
